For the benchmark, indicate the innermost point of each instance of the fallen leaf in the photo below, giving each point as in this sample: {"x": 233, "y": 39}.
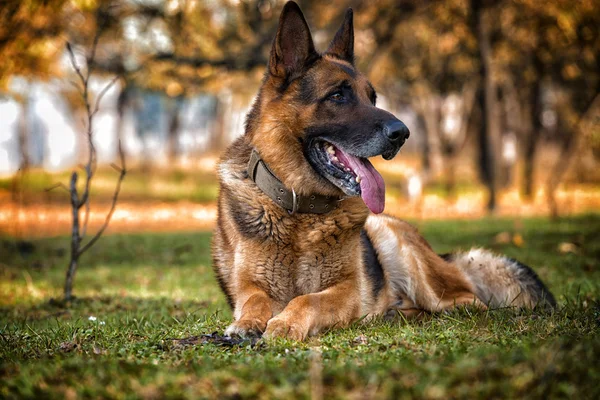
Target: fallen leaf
{"x": 67, "y": 347}
{"x": 361, "y": 339}
{"x": 518, "y": 240}
{"x": 502, "y": 238}
{"x": 566, "y": 247}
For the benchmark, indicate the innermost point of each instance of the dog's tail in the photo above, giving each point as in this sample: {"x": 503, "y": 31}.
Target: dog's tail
{"x": 501, "y": 281}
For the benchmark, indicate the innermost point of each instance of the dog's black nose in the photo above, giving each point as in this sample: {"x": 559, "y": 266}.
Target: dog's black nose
{"x": 396, "y": 131}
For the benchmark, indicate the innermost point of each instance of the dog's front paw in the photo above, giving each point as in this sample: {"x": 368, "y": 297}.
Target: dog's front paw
{"x": 246, "y": 328}
{"x": 280, "y": 327}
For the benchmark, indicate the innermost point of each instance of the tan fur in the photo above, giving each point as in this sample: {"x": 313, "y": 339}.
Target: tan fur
{"x": 303, "y": 266}
{"x": 295, "y": 275}
{"x": 304, "y": 273}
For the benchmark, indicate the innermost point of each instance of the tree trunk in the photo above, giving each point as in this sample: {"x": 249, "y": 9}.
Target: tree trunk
{"x": 428, "y": 109}
{"x": 530, "y": 147}
{"x": 575, "y": 129}
{"x": 486, "y": 98}
{"x": 425, "y": 149}
{"x": 173, "y": 134}
{"x": 450, "y": 167}
{"x": 122, "y": 104}
{"x": 535, "y": 129}
{"x": 566, "y": 153}
{"x": 23, "y": 128}
{"x": 75, "y": 239}
{"x": 216, "y": 136}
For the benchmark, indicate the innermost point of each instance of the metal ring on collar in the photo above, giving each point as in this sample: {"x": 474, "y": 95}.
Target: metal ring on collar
{"x": 294, "y": 202}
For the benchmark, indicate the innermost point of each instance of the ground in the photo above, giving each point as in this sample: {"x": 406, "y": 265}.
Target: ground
{"x": 140, "y": 294}
{"x": 183, "y": 199}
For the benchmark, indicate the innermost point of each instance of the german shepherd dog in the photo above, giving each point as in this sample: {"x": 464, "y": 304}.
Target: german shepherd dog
{"x": 298, "y": 246}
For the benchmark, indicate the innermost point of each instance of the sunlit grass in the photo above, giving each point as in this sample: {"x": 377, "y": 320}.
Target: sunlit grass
{"x": 164, "y": 185}
{"x": 144, "y": 290}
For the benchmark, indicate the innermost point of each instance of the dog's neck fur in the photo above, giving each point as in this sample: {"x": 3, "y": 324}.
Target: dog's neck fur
{"x": 269, "y": 184}
{"x": 254, "y": 212}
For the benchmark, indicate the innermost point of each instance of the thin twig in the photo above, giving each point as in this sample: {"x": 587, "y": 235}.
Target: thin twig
{"x": 57, "y": 185}
{"x": 94, "y": 47}
{"x": 74, "y": 64}
{"x": 86, "y": 216}
{"x": 123, "y": 172}
{"x": 75, "y": 238}
{"x": 102, "y": 93}
{"x": 90, "y": 167}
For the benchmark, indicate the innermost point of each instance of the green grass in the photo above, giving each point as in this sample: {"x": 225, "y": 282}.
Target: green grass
{"x": 165, "y": 185}
{"x": 145, "y": 290}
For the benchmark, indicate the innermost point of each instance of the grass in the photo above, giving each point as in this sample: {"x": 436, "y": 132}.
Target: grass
{"x": 138, "y": 292}
{"x": 160, "y": 184}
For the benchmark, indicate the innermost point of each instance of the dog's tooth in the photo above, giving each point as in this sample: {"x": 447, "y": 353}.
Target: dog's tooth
{"x": 342, "y": 164}
{"x": 330, "y": 150}
{"x": 334, "y": 158}
{"x": 347, "y": 169}
{"x": 358, "y": 179}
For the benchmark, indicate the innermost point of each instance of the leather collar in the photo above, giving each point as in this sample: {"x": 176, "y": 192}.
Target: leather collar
{"x": 289, "y": 200}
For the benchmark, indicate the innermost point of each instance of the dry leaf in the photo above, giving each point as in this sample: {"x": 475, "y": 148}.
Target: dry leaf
{"x": 518, "y": 240}
{"x": 502, "y": 238}
{"x": 67, "y": 347}
{"x": 361, "y": 339}
{"x": 566, "y": 247}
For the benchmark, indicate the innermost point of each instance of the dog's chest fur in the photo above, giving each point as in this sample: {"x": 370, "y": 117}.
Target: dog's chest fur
{"x": 291, "y": 254}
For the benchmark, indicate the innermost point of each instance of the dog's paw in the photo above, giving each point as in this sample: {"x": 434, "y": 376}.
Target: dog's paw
{"x": 279, "y": 327}
{"x": 246, "y": 328}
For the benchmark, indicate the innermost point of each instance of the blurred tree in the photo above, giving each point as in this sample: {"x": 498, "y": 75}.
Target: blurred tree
{"x": 502, "y": 63}
{"x": 511, "y": 51}
{"x": 431, "y": 49}
{"x": 549, "y": 48}
{"x": 30, "y": 39}
{"x": 28, "y": 43}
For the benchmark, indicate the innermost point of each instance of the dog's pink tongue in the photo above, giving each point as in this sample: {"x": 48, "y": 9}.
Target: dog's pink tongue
{"x": 372, "y": 187}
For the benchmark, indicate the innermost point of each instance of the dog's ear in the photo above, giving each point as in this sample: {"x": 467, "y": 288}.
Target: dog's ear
{"x": 342, "y": 45}
{"x": 293, "y": 49}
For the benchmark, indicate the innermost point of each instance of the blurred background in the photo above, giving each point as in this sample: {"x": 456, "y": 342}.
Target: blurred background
{"x": 501, "y": 98}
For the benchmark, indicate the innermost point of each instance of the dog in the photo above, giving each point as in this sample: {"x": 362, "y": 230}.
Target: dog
{"x": 300, "y": 243}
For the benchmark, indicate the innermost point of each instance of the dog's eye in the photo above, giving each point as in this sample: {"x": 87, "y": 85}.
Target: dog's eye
{"x": 337, "y": 96}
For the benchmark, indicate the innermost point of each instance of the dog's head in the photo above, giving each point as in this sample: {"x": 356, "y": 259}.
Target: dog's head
{"x": 315, "y": 122}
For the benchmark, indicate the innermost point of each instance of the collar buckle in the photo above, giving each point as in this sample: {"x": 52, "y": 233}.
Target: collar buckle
{"x": 294, "y": 203}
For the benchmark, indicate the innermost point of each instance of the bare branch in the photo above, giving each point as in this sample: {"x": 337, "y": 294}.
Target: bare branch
{"x": 86, "y": 217}
{"x": 116, "y": 167}
{"x": 77, "y": 202}
{"x": 74, "y": 84}
{"x": 94, "y": 48}
{"x": 75, "y": 238}
{"x": 90, "y": 168}
{"x": 57, "y": 185}
{"x": 102, "y": 93}
{"x": 74, "y": 64}
{"x": 113, "y": 205}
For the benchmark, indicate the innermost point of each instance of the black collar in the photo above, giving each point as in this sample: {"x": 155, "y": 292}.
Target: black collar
{"x": 289, "y": 200}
